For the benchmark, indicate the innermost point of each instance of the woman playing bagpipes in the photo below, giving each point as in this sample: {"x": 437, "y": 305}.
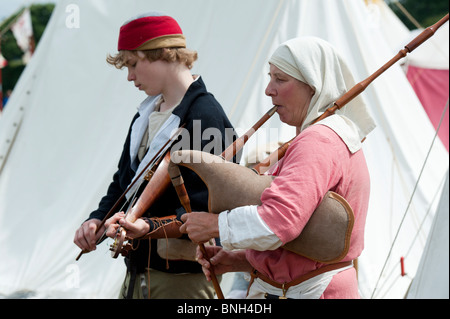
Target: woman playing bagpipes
{"x": 307, "y": 75}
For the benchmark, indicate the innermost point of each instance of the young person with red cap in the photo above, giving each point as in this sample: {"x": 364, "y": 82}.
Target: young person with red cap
{"x": 153, "y": 49}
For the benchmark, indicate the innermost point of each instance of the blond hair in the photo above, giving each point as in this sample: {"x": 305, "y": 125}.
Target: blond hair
{"x": 182, "y": 55}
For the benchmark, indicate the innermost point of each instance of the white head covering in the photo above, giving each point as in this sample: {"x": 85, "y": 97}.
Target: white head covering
{"x": 318, "y": 64}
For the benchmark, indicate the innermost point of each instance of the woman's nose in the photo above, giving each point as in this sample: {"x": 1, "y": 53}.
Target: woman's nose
{"x": 270, "y": 91}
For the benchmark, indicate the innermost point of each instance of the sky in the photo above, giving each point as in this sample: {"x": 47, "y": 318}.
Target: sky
{"x": 8, "y": 7}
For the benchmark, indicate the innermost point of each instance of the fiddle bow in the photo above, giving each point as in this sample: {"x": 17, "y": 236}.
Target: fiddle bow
{"x": 154, "y": 163}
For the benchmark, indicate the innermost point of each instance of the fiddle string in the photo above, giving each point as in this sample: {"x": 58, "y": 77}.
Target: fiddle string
{"x": 103, "y": 236}
{"x": 153, "y": 161}
{"x": 133, "y": 197}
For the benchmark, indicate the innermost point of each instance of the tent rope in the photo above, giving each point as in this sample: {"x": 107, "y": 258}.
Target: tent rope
{"x": 394, "y": 268}
{"x": 410, "y": 200}
{"x": 408, "y": 15}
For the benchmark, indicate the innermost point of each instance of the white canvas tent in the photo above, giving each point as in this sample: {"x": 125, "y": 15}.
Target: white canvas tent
{"x": 428, "y": 73}
{"x": 434, "y": 260}
{"x": 427, "y": 67}
{"x": 63, "y": 131}
{"x": 427, "y": 70}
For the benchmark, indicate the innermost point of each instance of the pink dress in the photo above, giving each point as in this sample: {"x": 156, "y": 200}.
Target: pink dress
{"x": 316, "y": 161}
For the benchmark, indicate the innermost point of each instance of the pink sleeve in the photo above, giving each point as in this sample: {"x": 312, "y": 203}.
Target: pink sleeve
{"x": 312, "y": 166}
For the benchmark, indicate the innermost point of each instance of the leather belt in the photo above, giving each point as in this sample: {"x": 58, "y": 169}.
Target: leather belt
{"x": 285, "y": 286}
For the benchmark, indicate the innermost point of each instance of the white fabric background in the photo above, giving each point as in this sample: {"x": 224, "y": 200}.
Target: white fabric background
{"x": 63, "y": 130}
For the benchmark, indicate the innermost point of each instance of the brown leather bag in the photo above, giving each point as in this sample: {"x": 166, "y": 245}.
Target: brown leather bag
{"x": 325, "y": 238}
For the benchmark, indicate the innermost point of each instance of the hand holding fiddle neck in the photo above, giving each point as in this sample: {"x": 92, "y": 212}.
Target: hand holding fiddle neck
{"x": 134, "y": 230}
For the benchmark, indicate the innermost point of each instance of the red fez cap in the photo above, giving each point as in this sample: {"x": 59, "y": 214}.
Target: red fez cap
{"x": 152, "y": 31}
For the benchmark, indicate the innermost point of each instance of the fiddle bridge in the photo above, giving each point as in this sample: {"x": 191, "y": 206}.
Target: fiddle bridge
{"x": 158, "y": 183}
{"x": 120, "y": 246}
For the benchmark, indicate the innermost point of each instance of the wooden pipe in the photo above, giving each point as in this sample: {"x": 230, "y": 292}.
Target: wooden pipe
{"x": 357, "y": 89}
{"x": 178, "y": 183}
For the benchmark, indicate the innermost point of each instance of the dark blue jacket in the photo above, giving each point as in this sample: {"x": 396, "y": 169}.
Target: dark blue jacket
{"x": 197, "y": 104}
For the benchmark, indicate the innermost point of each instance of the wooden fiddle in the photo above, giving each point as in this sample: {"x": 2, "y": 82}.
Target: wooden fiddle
{"x": 148, "y": 173}
{"x": 158, "y": 182}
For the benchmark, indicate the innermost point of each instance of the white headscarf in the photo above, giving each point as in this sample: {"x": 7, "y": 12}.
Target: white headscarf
{"x": 318, "y": 64}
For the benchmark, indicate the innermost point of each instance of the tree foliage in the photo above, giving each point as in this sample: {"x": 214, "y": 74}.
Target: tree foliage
{"x": 425, "y": 12}
{"x": 40, "y": 14}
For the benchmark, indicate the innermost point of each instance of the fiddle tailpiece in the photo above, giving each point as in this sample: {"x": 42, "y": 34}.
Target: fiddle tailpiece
{"x": 158, "y": 183}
